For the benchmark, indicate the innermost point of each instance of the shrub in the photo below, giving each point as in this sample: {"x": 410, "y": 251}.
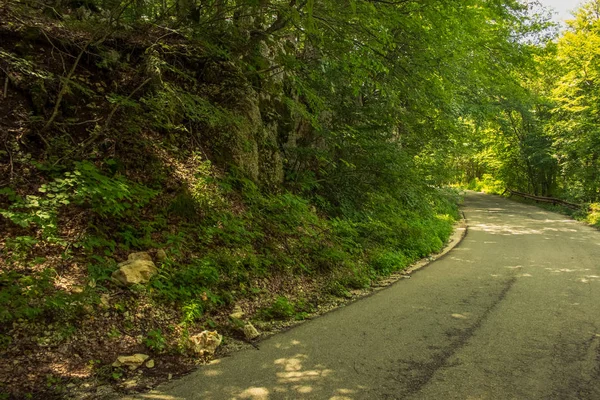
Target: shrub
{"x": 155, "y": 340}
{"x": 593, "y": 216}
{"x": 281, "y": 308}
{"x": 387, "y": 261}
{"x": 84, "y": 186}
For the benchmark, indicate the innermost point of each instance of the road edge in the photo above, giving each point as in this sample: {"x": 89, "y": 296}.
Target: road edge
{"x": 459, "y": 233}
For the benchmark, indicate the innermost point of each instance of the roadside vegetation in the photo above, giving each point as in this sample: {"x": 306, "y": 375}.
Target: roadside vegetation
{"x": 263, "y": 160}
{"x": 546, "y": 142}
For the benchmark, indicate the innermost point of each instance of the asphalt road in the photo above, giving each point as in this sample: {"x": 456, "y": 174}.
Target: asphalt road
{"x": 513, "y": 312}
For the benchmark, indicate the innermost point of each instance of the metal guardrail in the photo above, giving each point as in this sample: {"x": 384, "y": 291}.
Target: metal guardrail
{"x": 543, "y": 199}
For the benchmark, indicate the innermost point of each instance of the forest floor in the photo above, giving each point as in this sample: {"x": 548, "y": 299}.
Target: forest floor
{"x": 510, "y": 313}
{"x": 166, "y": 367}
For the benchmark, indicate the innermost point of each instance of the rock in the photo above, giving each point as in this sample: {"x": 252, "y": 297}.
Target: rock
{"x": 161, "y": 255}
{"x": 150, "y": 364}
{"x": 133, "y": 362}
{"x": 205, "y": 342}
{"x": 135, "y": 271}
{"x": 250, "y": 331}
{"x": 237, "y": 313}
{"x": 142, "y": 255}
{"x": 88, "y": 309}
{"x": 170, "y": 377}
{"x": 77, "y": 289}
{"x": 130, "y": 384}
{"x": 105, "y": 300}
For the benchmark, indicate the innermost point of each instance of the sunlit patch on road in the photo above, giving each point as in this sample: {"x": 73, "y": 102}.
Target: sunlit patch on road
{"x": 589, "y": 278}
{"x": 255, "y": 393}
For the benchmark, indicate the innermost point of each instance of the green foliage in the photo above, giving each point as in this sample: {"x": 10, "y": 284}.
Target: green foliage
{"x": 303, "y": 308}
{"x": 33, "y": 296}
{"x": 100, "y": 269}
{"x": 192, "y": 310}
{"x": 487, "y": 185}
{"x": 338, "y": 289}
{"x": 184, "y": 283}
{"x": 387, "y": 261}
{"x": 114, "y": 333}
{"x": 5, "y": 341}
{"x": 84, "y": 186}
{"x": 543, "y": 138}
{"x": 23, "y": 66}
{"x": 19, "y": 295}
{"x": 184, "y": 206}
{"x": 155, "y": 341}
{"x": 593, "y": 217}
{"x": 281, "y": 308}
{"x": 173, "y": 106}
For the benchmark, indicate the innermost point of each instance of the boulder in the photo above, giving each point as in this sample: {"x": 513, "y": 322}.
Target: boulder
{"x": 142, "y": 255}
{"x": 133, "y": 362}
{"x": 135, "y": 271}
{"x": 205, "y": 343}
{"x": 250, "y": 331}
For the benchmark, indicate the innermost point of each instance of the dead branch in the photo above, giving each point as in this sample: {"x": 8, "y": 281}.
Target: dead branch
{"x": 63, "y": 89}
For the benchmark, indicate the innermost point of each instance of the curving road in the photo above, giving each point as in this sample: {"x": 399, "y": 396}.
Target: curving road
{"x": 513, "y": 312}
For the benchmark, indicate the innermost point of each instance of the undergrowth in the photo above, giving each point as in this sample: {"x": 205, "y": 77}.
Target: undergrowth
{"x": 147, "y": 145}
{"x": 212, "y": 257}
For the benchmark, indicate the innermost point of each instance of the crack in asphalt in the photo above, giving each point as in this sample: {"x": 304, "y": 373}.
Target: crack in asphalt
{"x": 415, "y": 375}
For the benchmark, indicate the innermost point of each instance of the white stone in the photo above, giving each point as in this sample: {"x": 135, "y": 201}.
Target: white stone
{"x": 133, "y": 272}
{"x": 250, "y": 331}
{"x": 133, "y": 361}
{"x": 205, "y": 342}
{"x": 237, "y": 313}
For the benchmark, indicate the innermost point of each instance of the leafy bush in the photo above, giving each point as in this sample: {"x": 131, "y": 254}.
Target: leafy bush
{"x": 281, "y": 308}
{"x": 84, "y": 186}
{"x": 593, "y": 217}
{"x": 387, "y": 261}
{"x": 155, "y": 340}
{"x": 187, "y": 283}
{"x": 32, "y": 296}
{"x": 488, "y": 184}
